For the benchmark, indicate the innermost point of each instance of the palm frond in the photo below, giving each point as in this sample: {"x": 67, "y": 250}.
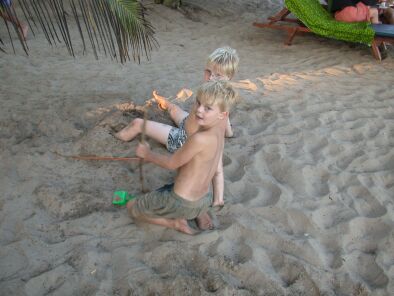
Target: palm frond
{"x": 118, "y": 28}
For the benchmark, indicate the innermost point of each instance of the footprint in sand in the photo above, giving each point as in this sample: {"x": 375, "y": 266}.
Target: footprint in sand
{"x": 266, "y": 194}
{"x": 215, "y": 281}
{"x": 236, "y": 171}
{"x": 235, "y": 252}
{"x": 226, "y": 160}
{"x": 363, "y": 231}
{"x": 314, "y": 145}
{"x": 365, "y": 203}
{"x": 13, "y": 260}
{"x": 294, "y": 276}
{"x": 242, "y": 193}
{"x": 349, "y": 136}
{"x": 331, "y": 215}
{"x": 316, "y": 181}
{"x": 366, "y": 267}
{"x": 347, "y": 158}
{"x": 286, "y": 172}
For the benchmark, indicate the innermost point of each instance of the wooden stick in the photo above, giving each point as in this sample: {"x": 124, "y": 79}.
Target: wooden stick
{"x": 95, "y": 157}
{"x": 103, "y": 158}
{"x": 142, "y": 140}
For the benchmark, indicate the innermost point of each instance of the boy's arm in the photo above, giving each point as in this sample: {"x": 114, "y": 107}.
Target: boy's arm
{"x": 193, "y": 145}
{"x": 176, "y": 112}
{"x": 218, "y": 184}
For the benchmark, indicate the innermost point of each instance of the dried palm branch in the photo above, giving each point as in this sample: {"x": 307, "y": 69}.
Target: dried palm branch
{"x": 118, "y": 28}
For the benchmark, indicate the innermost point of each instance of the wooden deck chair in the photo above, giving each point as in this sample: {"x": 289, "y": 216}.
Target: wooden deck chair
{"x": 313, "y": 17}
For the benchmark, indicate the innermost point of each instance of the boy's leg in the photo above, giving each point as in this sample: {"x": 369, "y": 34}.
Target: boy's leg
{"x": 177, "y": 114}
{"x": 177, "y": 224}
{"x": 155, "y": 130}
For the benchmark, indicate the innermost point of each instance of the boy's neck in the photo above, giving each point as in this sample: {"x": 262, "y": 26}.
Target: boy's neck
{"x": 219, "y": 123}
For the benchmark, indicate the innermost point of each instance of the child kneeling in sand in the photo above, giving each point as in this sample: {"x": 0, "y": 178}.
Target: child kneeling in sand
{"x": 197, "y": 161}
{"x": 222, "y": 64}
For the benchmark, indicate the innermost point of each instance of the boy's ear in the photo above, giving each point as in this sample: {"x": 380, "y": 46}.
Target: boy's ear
{"x": 223, "y": 115}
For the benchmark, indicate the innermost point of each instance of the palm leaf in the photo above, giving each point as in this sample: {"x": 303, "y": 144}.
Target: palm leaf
{"x": 118, "y": 28}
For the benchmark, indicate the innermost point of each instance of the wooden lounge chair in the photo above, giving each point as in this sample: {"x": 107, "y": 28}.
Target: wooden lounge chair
{"x": 312, "y": 17}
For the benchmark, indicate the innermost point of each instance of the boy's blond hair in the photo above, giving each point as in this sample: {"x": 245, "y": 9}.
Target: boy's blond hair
{"x": 218, "y": 92}
{"x": 225, "y": 60}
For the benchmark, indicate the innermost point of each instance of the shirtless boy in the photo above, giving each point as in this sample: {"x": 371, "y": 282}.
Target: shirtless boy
{"x": 196, "y": 161}
{"x": 222, "y": 64}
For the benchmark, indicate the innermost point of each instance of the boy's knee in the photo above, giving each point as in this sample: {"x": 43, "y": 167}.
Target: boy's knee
{"x": 138, "y": 122}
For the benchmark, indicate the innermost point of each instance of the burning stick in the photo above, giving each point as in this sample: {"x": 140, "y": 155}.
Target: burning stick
{"x": 162, "y": 102}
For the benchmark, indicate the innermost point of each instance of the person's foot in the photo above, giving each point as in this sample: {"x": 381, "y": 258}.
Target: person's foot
{"x": 161, "y": 101}
{"x": 124, "y": 133}
{"x": 182, "y": 226}
{"x": 120, "y": 136}
{"x": 204, "y": 221}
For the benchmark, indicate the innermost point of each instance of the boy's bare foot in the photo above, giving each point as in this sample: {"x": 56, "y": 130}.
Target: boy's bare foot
{"x": 125, "y": 134}
{"x": 204, "y": 221}
{"x": 161, "y": 101}
{"x": 120, "y": 136}
{"x": 182, "y": 226}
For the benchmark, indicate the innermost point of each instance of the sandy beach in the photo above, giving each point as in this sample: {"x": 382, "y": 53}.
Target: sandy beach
{"x": 309, "y": 175}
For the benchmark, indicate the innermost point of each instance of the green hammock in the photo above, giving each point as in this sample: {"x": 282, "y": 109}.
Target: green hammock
{"x": 321, "y": 22}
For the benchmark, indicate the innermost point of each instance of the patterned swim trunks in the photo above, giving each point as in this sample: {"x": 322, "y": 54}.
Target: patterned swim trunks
{"x": 165, "y": 203}
{"x": 177, "y": 137}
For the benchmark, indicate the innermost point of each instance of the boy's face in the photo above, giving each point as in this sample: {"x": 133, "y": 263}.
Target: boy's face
{"x": 208, "y": 115}
{"x": 213, "y": 73}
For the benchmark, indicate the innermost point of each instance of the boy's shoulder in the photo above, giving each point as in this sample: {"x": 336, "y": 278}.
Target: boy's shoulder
{"x": 206, "y": 137}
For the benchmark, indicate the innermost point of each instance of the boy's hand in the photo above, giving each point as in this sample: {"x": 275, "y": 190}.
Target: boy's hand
{"x": 142, "y": 150}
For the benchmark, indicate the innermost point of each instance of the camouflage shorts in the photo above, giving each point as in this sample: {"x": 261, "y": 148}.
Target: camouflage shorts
{"x": 165, "y": 203}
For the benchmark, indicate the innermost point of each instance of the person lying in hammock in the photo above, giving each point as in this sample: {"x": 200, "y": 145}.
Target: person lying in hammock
{"x": 361, "y": 11}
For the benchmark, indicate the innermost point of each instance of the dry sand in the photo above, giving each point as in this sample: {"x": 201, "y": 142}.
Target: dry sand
{"x": 309, "y": 176}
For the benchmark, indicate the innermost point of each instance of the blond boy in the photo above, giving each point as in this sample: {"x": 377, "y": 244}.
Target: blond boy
{"x": 196, "y": 161}
{"x": 222, "y": 64}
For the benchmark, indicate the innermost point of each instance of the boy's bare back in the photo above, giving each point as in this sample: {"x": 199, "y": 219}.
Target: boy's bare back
{"x": 194, "y": 178}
